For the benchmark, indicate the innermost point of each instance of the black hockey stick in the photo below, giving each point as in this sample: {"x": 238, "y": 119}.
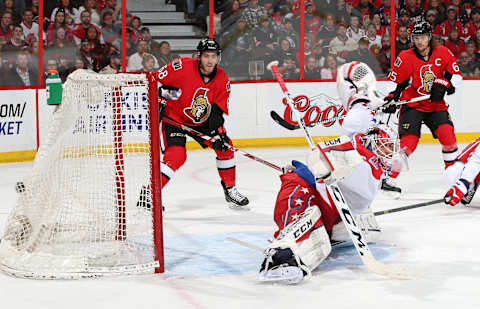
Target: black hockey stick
{"x": 389, "y": 211}
{"x": 278, "y": 119}
{"x": 209, "y": 138}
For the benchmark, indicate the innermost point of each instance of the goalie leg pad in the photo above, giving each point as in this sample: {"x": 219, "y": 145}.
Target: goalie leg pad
{"x": 306, "y": 254}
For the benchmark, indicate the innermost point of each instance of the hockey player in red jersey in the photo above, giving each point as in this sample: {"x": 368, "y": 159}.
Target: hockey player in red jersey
{"x": 419, "y": 71}
{"x": 307, "y": 220}
{"x": 197, "y": 93}
{"x": 463, "y": 176}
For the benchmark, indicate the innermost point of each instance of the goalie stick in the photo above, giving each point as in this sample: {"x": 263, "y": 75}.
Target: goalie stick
{"x": 278, "y": 119}
{"x": 209, "y": 138}
{"x": 335, "y": 193}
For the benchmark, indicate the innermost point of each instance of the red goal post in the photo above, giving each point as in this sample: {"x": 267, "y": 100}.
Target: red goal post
{"x": 91, "y": 205}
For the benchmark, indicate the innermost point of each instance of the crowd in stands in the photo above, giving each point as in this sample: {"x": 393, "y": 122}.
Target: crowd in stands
{"x": 337, "y": 31}
{"x": 87, "y": 34}
{"x": 77, "y": 34}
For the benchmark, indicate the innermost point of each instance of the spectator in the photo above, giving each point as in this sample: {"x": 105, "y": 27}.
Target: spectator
{"x": 21, "y": 74}
{"x": 30, "y": 29}
{"x": 328, "y": 30}
{"x": 404, "y": 20}
{"x": 111, "y": 32}
{"x": 153, "y": 46}
{"x": 470, "y": 27}
{"x": 454, "y": 44}
{"x": 471, "y": 51}
{"x": 165, "y": 56}
{"x": 18, "y": 6}
{"x": 288, "y": 33}
{"x": 238, "y": 44}
{"x": 63, "y": 45}
{"x": 63, "y": 66}
{"x": 5, "y": 27}
{"x": 253, "y": 12}
{"x": 381, "y": 29}
{"x": 414, "y": 10}
{"x": 8, "y": 7}
{"x": 231, "y": 14}
{"x": 36, "y": 10}
{"x": 384, "y": 12}
{"x": 403, "y": 40}
{"x": 364, "y": 55}
{"x": 77, "y": 64}
{"x": 135, "y": 60}
{"x": 91, "y": 7}
{"x": 437, "y": 40}
{"x": 466, "y": 64}
{"x": 58, "y": 22}
{"x": 288, "y": 67}
{"x": 80, "y": 31}
{"x": 284, "y": 49}
{"x": 311, "y": 70}
{"x": 15, "y": 44}
{"x": 85, "y": 54}
{"x": 72, "y": 16}
{"x": 443, "y": 29}
{"x": 148, "y": 63}
{"x": 431, "y": 17}
{"x": 342, "y": 44}
{"x": 116, "y": 10}
{"x": 330, "y": 71}
{"x": 339, "y": 11}
{"x": 439, "y": 7}
{"x": 384, "y": 55}
{"x": 50, "y": 65}
{"x": 134, "y": 32}
{"x": 312, "y": 21}
{"x": 265, "y": 39}
{"x": 375, "y": 41}
{"x": 364, "y": 9}
{"x": 114, "y": 66}
{"x": 355, "y": 30}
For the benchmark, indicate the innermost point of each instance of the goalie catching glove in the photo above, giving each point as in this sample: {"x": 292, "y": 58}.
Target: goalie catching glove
{"x": 340, "y": 153}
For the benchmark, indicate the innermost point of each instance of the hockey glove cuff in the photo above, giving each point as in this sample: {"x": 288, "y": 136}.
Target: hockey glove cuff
{"x": 439, "y": 88}
{"x": 456, "y": 193}
{"x": 220, "y": 139}
{"x": 389, "y": 107}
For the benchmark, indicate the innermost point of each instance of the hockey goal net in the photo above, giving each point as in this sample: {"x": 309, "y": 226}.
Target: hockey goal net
{"x": 91, "y": 204}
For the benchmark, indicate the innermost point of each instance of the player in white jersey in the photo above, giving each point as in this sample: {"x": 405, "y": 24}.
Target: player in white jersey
{"x": 463, "y": 176}
{"x": 356, "y": 85}
{"x": 308, "y": 222}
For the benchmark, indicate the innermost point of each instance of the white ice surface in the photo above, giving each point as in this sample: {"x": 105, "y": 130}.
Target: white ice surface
{"x": 205, "y": 270}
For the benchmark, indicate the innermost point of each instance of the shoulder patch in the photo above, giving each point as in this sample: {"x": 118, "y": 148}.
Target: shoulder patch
{"x": 177, "y": 64}
{"x": 228, "y": 86}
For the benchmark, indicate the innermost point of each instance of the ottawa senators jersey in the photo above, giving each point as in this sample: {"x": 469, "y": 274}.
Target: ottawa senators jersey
{"x": 422, "y": 74}
{"x": 194, "y": 105}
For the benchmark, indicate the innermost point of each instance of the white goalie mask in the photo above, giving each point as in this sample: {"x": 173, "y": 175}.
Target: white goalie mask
{"x": 383, "y": 141}
{"x": 355, "y": 77}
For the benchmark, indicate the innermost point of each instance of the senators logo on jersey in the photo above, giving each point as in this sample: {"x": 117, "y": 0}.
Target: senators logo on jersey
{"x": 427, "y": 77}
{"x": 200, "y": 108}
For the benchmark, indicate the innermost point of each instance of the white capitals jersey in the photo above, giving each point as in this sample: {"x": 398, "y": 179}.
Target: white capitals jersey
{"x": 466, "y": 166}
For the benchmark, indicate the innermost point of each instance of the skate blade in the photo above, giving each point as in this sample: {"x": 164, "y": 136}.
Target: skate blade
{"x": 236, "y": 207}
{"x": 392, "y": 194}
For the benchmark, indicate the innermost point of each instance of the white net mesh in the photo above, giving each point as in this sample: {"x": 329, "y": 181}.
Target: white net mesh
{"x": 78, "y": 212}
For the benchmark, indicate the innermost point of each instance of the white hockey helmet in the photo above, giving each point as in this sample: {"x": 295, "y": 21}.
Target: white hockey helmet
{"x": 383, "y": 141}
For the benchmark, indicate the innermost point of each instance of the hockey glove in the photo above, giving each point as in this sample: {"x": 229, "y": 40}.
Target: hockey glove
{"x": 439, "y": 88}
{"x": 389, "y": 107}
{"x": 456, "y": 192}
{"x": 220, "y": 139}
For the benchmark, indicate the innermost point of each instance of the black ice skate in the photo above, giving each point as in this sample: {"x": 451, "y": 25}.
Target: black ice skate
{"x": 145, "y": 201}
{"x": 234, "y": 198}
{"x": 469, "y": 196}
{"x": 390, "y": 187}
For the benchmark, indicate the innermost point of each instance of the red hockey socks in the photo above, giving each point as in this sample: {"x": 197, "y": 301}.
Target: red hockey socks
{"x": 446, "y": 137}
{"x": 409, "y": 142}
{"x": 173, "y": 159}
{"x": 226, "y": 166}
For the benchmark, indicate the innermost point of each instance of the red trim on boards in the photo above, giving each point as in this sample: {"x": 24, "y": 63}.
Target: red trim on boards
{"x": 20, "y": 87}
